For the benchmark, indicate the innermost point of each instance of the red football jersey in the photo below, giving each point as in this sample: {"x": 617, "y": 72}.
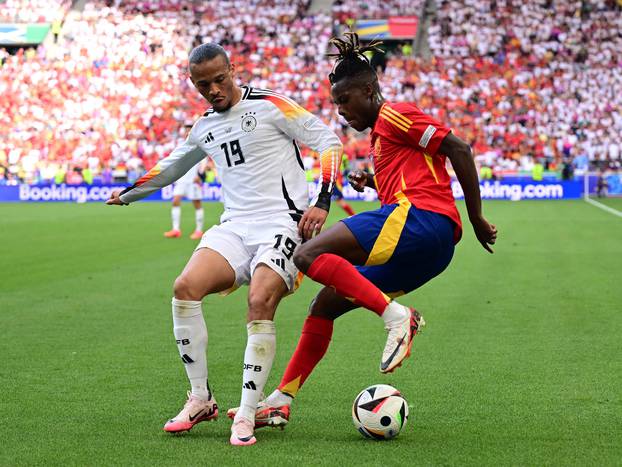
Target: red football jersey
{"x": 404, "y": 149}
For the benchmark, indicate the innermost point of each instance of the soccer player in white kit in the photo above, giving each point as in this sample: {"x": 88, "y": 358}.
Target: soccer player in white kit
{"x": 251, "y": 135}
{"x": 189, "y": 186}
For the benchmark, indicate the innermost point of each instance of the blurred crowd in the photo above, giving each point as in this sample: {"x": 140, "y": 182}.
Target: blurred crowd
{"x": 107, "y": 97}
{"x": 345, "y": 10}
{"x": 527, "y": 84}
{"x": 529, "y": 81}
{"x": 32, "y": 11}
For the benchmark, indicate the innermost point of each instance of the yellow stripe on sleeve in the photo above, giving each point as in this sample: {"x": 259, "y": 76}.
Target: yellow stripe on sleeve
{"x": 407, "y": 121}
{"x": 388, "y": 117}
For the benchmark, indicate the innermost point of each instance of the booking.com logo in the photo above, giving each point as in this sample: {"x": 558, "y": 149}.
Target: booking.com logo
{"x": 514, "y": 191}
{"x": 78, "y": 194}
{"x": 84, "y": 193}
{"x": 488, "y": 190}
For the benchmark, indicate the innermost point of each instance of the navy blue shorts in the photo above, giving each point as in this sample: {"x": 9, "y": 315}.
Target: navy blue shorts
{"x": 407, "y": 246}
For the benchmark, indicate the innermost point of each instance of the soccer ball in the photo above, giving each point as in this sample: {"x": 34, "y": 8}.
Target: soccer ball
{"x": 380, "y": 412}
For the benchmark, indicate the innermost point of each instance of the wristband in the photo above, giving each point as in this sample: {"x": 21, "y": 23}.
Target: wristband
{"x": 323, "y": 201}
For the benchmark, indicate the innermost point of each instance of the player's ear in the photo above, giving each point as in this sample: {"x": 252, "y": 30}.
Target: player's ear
{"x": 232, "y": 69}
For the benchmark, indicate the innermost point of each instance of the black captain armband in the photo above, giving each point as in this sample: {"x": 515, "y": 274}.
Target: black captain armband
{"x": 323, "y": 201}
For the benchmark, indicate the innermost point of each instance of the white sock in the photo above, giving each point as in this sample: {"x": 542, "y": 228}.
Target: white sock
{"x": 278, "y": 399}
{"x": 258, "y": 358}
{"x": 191, "y": 336}
{"x": 198, "y": 218}
{"x": 394, "y": 313}
{"x": 176, "y": 217}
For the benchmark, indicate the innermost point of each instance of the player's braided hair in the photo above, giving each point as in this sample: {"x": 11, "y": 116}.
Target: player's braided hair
{"x": 351, "y": 60}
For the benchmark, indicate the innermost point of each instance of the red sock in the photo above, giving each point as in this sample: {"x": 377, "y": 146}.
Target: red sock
{"x": 348, "y": 209}
{"x": 334, "y": 271}
{"x": 312, "y": 346}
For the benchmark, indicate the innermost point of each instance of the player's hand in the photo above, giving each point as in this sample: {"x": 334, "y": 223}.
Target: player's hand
{"x": 486, "y": 233}
{"x": 114, "y": 198}
{"x": 312, "y": 222}
{"x": 358, "y": 180}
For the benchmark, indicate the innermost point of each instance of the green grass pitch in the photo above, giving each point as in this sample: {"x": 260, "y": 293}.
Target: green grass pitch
{"x": 520, "y": 364}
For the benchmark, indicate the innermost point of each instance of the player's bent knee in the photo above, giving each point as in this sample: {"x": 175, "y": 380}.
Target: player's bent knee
{"x": 316, "y": 309}
{"x": 261, "y": 305}
{"x": 183, "y": 289}
{"x": 328, "y": 305}
{"x": 303, "y": 258}
{"x": 307, "y": 253}
{"x": 320, "y": 312}
{"x": 312, "y": 304}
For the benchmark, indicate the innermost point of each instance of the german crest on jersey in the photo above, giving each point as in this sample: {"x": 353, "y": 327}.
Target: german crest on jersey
{"x": 249, "y": 122}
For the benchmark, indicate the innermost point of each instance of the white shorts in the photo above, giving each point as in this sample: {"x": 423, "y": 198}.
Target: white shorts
{"x": 191, "y": 190}
{"x": 245, "y": 244}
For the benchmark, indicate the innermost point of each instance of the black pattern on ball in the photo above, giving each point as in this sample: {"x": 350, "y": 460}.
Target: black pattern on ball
{"x": 385, "y": 421}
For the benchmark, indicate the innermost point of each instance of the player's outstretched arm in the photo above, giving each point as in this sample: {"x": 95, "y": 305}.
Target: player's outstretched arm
{"x": 461, "y": 158}
{"x": 165, "y": 172}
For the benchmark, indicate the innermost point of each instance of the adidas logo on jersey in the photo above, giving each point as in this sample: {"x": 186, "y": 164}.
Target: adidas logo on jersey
{"x": 209, "y": 138}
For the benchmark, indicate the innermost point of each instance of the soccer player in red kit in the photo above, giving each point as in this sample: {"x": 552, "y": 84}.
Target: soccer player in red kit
{"x": 372, "y": 257}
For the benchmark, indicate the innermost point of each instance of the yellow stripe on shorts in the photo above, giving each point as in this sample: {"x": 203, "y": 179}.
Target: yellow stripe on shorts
{"x": 385, "y": 244}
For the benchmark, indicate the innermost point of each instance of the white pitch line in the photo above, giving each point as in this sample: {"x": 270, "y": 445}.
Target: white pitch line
{"x": 613, "y": 211}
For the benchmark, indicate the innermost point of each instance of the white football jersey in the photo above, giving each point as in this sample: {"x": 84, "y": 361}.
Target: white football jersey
{"x": 254, "y": 147}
